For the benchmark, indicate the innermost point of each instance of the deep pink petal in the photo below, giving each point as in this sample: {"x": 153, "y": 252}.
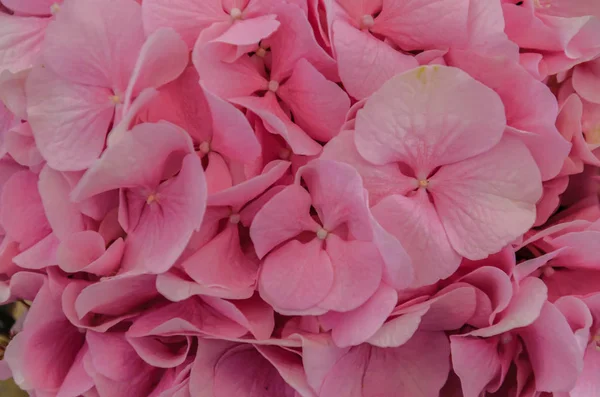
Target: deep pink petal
{"x": 476, "y": 362}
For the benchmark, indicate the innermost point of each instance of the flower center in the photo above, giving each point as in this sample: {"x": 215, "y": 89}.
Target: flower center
{"x": 284, "y": 154}
{"x": 273, "y": 86}
{"x": 116, "y": 99}
{"x": 423, "y": 183}
{"x": 367, "y": 21}
{"x": 235, "y": 13}
{"x": 592, "y": 136}
{"x": 54, "y": 8}
{"x": 204, "y": 147}
{"x": 322, "y": 234}
{"x": 152, "y": 198}
{"x": 234, "y": 218}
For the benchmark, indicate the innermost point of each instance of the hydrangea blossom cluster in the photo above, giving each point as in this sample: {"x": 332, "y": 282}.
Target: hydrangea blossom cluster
{"x": 315, "y": 198}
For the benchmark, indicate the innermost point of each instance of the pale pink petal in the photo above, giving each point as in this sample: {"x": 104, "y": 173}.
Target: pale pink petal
{"x": 70, "y": 132}
{"x": 218, "y": 76}
{"x": 587, "y": 383}
{"x": 338, "y": 196}
{"x": 42, "y": 254}
{"x": 86, "y": 251}
{"x": 489, "y": 200}
{"x": 162, "y": 58}
{"x": 240, "y": 194}
{"x": 166, "y": 225}
{"x": 20, "y": 144}
{"x": 187, "y": 17}
{"x": 296, "y": 276}
{"x": 63, "y": 215}
{"x": 134, "y": 160}
{"x": 364, "y": 62}
{"x": 379, "y": 180}
{"x": 319, "y": 106}
{"x": 253, "y": 314}
{"x": 12, "y": 92}
{"x": 476, "y": 362}
{"x": 415, "y": 223}
{"x": 357, "y": 326}
{"x": 277, "y": 122}
{"x": 586, "y": 78}
{"x": 20, "y": 41}
{"x": 283, "y": 217}
{"x": 222, "y": 267}
{"x": 398, "y": 331}
{"x": 21, "y": 211}
{"x": 465, "y": 117}
{"x": 357, "y": 268}
{"x": 523, "y": 309}
{"x": 553, "y": 351}
{"x": 249, "y": 31}
{"x": 104, "y": 50}
{"x": 403, "y": 22}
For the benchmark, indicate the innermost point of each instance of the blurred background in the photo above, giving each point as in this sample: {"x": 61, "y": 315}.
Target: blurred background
{"x": 8, "y": 317}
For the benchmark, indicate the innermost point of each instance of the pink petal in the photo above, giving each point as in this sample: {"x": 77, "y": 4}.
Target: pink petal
{"x": 319, "y": 106}
{"x": 415, "y": 223}
{"x": 237, "y": 196}
{"x": 112, "y": 356}
{"x": 388, "y": 119}
{"x": 12, "y": 92}
{"x": 357, "y": 268}
{"x": 364, "y": 62}
{"x": 290, "y": 368}
{"x": 21, "y": 212}
{"x": 337, "y": 196}
{"x": 253, "y": 314}
{"x": 233, "y": 136}
{"x": 403, "y": 22}
{"x": 293, "y": 41}
{"x": 587, "y": 383}
{"x": 359, "y": 325}
{"x": 105, "y": 49}
{"x": 379, "y": 180}
{"x": 63, "y": 215}
{"x": 70, "y": 133}
{"x": 277, "y": 122}
{"x": 399, "y": 330}
{"x": 476, "y": 362}
{"x": 553, "y": 351}
{"x": 20, "y": 41}
{"x": 34, "y": 7}
{"x": 134, "y": 160}
{"x": 162, "y": 58}
{"x": 42, "y": 254}
{"x": 85, "y": 251}
{"x": 249, "y": 31}
{"x": 585, "y": 78}
{"x": 487, "y": 201}
{"x": 188, "y": 18}
{"x": 217, "y": 173}
{"x": 283, "y": 217}
{"x": 20, "y": 144}
{"x": 216, "y": 75}
{"x": 222, "y": 267}
{"x": 166, "y": 226}
{"x": 296, "y": 276}
{"x": 523, "y": 309}
{"x": 165, "y": 352}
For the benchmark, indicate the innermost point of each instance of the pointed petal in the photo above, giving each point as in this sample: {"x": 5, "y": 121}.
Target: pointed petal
{"x": 476, "y": 363}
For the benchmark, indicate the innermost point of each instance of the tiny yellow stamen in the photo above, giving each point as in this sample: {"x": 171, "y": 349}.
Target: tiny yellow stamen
{"x": 542, "y": 3}
{"x": 322, "y": 234}
{"x": 54, "y": 8}
{"x": 424, "y": 183}
{"x": 152, "y": 198}
{"x": 592, "y": 136}
{"x": 116, "y": 99}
